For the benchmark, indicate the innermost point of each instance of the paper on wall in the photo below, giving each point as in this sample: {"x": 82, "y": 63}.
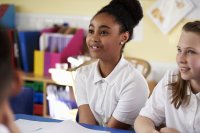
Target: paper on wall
{"x": 167, "y": 13}
{"x": 195, "y": 13}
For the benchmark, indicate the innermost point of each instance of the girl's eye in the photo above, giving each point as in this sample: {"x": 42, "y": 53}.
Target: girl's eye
{"x": 103, "y": 33}
{"x": 90, "y": 31}
{"x": 190, "y": 52}
{"x": 179, "y": 50}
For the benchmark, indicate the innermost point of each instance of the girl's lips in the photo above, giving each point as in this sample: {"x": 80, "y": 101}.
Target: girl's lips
{"x": 184, "y": 69}
{"x": 94, "y": 47}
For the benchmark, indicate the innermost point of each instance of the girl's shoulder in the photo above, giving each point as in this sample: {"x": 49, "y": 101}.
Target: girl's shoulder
{"x": 162, "y": 90}
{"x": 86, "y": 69}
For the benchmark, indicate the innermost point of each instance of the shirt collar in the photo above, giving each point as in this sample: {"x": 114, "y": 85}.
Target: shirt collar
{"x": 97, "y": 75}
{"x": 112, "y": 75}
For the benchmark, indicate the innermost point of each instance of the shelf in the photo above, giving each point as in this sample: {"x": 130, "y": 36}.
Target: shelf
{"x": 32, "y": 77}
{"x": 45, "y": 81}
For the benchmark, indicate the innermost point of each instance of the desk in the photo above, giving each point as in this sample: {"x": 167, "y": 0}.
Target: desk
{"x": 43, "y": 119}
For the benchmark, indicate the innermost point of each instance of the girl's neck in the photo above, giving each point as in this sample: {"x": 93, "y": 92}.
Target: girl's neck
{"x": 106, "y": 67}
{"x": 195, "y": 86}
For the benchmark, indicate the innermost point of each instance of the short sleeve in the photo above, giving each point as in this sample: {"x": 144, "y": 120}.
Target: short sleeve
{"x": 155, "y": 106}
{"x": 80, "y": 86}
{"x": 132, "y": 99}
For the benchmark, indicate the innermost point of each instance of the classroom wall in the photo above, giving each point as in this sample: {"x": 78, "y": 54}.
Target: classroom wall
{"x": 155, "y": 46}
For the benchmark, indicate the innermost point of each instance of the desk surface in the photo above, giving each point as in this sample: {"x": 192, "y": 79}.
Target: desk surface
{"x": 38, "y": 118}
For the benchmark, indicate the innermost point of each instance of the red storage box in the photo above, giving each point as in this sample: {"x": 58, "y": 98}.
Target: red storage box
{"x": 38, "y": 109}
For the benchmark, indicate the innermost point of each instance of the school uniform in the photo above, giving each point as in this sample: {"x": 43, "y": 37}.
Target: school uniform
{"x": 121, "y": 94}
{"x": 186, "y": 119}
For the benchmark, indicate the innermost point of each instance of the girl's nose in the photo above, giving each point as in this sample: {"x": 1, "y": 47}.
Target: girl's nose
{"x": 181, "y": 58}
{"x": 95, "y": 38}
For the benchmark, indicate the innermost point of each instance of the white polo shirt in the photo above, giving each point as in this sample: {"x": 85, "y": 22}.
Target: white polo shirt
{"x": 159, "y": 108}
{"x": 121, "y": 94}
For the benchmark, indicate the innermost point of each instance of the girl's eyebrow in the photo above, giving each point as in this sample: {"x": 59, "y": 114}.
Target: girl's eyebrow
{"x": 102, "y": 26}
{"x": 91, "y": 25}
{"x": 185, "y": 48}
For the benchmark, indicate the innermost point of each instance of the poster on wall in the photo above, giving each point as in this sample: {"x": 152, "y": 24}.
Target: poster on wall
{"x": 167, "y": 13}
{"x": 195, "y": 14}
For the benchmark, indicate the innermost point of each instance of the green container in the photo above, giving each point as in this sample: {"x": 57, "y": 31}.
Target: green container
{"x": 36, "y": 86}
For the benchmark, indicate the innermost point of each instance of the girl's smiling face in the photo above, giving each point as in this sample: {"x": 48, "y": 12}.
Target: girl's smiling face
{"x": 104, "y": 37}
{"x": 188, "y": 56}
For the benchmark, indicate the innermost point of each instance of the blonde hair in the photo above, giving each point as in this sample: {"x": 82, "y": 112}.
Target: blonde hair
{"x": 179, "y": 88}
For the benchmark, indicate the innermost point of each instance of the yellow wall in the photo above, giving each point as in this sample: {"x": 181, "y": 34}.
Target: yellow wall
{"x": 155, "y": 46}
{"x": 61, "y": 7}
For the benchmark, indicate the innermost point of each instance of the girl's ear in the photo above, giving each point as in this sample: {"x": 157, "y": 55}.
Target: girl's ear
{"x": 124, "y": 37}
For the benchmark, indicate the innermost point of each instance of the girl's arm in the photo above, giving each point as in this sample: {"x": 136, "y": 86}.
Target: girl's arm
{"x": 168, "y": 130}
{"x": 8, "y": 118}
{"x": 85, "y": 115}
{"x": 144, "y": 125}
{"x": 113, "y": 123}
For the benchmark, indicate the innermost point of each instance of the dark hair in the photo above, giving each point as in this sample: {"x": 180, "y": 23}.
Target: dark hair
{"x": 179, "y": 88}
{"x": 192, "y": 27}
{"x": 127, "y": 13}
{"x": 6, "y": 67}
